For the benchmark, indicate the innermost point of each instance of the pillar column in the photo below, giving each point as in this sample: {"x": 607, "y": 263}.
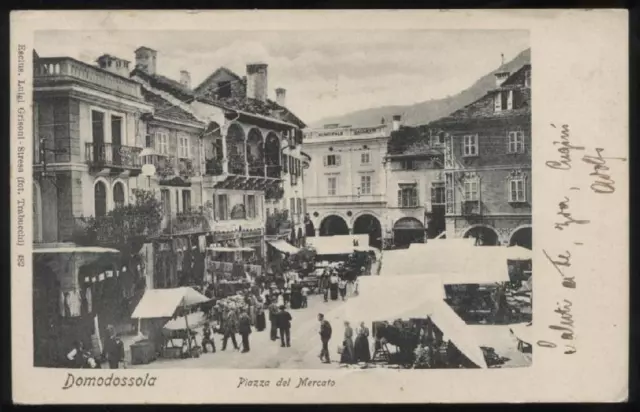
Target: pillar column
{"x": 225, "y": 157}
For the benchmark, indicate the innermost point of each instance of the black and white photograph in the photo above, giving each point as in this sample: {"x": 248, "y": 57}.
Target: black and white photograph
{"x": 306, "y": 200}
{"x": 320, "y": 206}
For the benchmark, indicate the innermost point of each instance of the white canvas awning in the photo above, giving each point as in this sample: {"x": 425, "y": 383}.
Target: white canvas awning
{"x": 518, "y": 253}
{"x": 284, "y": 246}
{"x": 523, "y": 332}
{"x": 163, "y": 303}
{"x": 445, "y": 243}
{"x": 455, "y": 264}
{"x": 229, "y": 249}
{"x": 193, "y": 320}
{"x": 339, "y": 244}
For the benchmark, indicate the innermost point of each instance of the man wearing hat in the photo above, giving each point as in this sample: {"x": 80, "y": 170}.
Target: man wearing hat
{"x": 283, "y": 320}
{"x": 113, "y": 350}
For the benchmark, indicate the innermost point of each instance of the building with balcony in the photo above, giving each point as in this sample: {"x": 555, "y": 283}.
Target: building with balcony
{"x": 415, "y": 187}
{"x": 88, "y": 135}
{"x": 346, "y": 183}
{"x": 487, "y": 164}
{"x": 245, "y": 161}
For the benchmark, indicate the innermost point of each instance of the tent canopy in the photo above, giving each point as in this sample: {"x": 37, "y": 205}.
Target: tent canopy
{"x": 194, "y": 320}
{"x": 452, "y": 326}
{"x": 457, "y": 263}
{"x": 408, "y": 301}
{"x": 284, "y": 246}
{"x": 430, "y": 287}
{"x": 338, "y": 244}
{"x": 518, "y": 253}
{"x": 163, "y": 303}
{"x": 444, "y": 243}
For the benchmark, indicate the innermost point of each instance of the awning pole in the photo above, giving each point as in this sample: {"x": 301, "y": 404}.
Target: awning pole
{"x": 186, "y": 322}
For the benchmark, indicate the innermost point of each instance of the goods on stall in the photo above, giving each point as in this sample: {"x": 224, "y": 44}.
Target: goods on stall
{"x": 493, "y": 359}
{"x": 234, "y": 302}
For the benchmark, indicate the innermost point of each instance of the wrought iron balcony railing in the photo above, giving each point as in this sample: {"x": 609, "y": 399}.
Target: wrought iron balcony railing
{"x": 213, "y": 167}
{"x": 110, "y": 155}
{"x": 184, "y": 223}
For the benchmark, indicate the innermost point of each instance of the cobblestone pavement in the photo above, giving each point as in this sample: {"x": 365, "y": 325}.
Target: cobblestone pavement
{"x": 265, "y": 354}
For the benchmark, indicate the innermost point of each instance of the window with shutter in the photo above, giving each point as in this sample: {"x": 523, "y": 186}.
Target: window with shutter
{"x": 498, "y": 102}
{"x": 337, "y": 160}
{"x": 399, "y": 198}
{"x": 285, "y": 163}
{"x": 510, "y": 100}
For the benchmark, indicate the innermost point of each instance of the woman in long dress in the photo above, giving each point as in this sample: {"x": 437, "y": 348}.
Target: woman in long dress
{"x": 261, "y": 323}
{"x": 362, "y": 351}
{"x": 347, "y": 345}
{"x": 333, "y": 281}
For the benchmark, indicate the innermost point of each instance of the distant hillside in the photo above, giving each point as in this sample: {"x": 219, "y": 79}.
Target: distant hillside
{"x": 425, "y": 112}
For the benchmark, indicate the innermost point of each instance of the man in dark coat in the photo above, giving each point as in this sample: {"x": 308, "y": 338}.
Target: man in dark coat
{"x": 325, "y": 336}
{"x": 244, "y": 327}
{"x": 113, "y": 350}
{"x": 324, "y": 286}
{"x": 230, "y": 328}
{"x": 283, "y": 320}
{"x": 273, "y": 312}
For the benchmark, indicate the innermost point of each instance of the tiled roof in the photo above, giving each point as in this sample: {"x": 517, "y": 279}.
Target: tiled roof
{"x": 251, "y": 106}
{"x": 483, "y": 108}
{"x": 166, "y": 84}
{"x": 409, "y": 142}
{"x": 166, "y": 109}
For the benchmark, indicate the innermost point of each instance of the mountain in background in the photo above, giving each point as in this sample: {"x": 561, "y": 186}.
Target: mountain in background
{"x": 425, "y": 112}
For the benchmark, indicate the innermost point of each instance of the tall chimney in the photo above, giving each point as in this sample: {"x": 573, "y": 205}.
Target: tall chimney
{"x": 257, "y": 81}
{"x": 281, "y": 96}
{"x": 501, "y": 77}
{"x": 114, "y": 65}
{"x": 185, "y": 79}
{"x": 395, "y": 126}
{"x": 146, "y": 59}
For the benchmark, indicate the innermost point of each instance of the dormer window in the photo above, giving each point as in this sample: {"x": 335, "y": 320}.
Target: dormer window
{"x": 503, "y": 100}
{"x": 224, "y": 89}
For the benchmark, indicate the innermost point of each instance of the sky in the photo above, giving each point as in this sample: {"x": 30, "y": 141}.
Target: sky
{"x": 325, "y": 73}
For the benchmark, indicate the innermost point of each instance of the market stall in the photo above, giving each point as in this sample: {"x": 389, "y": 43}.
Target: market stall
{"x": 161, "y": 307}
{"x": 417, "y": 299}
{"x": 74, "y": 291}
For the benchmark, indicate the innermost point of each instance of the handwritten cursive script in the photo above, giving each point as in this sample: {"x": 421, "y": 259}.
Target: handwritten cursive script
{"x": 565, "y": 328}
{"x": 564, "y": 150}
{"x": 560, "y": 263}
{"x": 603, "y": 183}
{"x": 568, "y": 218}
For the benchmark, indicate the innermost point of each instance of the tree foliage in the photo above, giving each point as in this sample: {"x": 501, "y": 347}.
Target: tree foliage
{"x": 126, "y": 227}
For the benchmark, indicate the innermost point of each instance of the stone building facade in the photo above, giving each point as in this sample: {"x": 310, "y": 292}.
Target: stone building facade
{"x": 415, "y": 188}
{"x": 487, "y": 164}
{"x": 88, "y": 134}
{"x": 346, "y": 183}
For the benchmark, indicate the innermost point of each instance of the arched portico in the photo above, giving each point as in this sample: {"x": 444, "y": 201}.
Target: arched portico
{"x": 236, "y": 149}
{"x": 367, "y": 223}
{"x": 408, "y": 230}
{"x": 485, "y": 235}
{"x": 522, "y": 236}
{"x": 333, "y": 225}
{"x": 255, "y": 152}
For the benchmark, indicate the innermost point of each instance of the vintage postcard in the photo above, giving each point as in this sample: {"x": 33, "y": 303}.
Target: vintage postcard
{"x": 319, "y": 206}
